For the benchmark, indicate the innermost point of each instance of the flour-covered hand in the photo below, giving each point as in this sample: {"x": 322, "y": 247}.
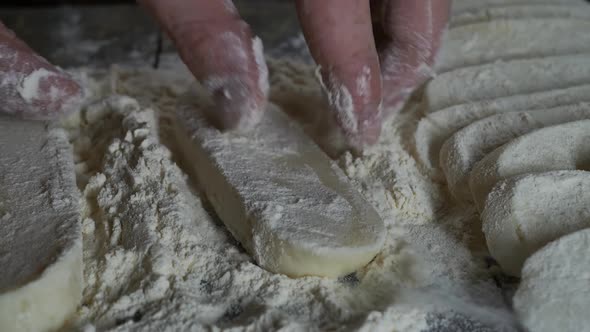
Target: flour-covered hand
{"x": 220, "y": 50}
{"x": 30, "y": 87}
{"x": 371, "y": 55}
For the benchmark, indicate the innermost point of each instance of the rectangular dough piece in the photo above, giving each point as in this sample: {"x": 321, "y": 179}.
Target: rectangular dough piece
{"x": 281, "y": 197}
{"x": 41, "y": 244}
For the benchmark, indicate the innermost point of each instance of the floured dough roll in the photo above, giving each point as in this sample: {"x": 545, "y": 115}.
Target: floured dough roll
{"x": 553, "y": 291}
{"x": 41, "y": 242}
{"x": 465, "y": 5}
{"x": 501, "y": 79}
{"x": 292, "y": 209}
{"x": 434, "y": 129}
{"x": 561, "y": 147}
{"x": 469, "y": 145}
{"x": 491, "y": 41}
{"x": 524, "y": 213}
{"x": 522, "y": 10}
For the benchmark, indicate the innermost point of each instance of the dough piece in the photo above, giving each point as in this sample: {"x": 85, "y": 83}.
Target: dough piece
{"x": 289, "y": 206}
{"x": 459, "y": 6}
{"x": 434, "y": 129}
{"x": 41, "y": 244}
{"x": 503, "y": 79}
{"x": 469, "y": 145}
{"x": 481, "y": 43}
{"x": 525, "y": 11}
{"x": 553, "y": 292}
{"x": 524, "y": 213}
{"x": 560, "y": 147}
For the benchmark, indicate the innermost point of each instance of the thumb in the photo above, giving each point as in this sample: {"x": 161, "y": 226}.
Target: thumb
{"x": 30, "y": 87}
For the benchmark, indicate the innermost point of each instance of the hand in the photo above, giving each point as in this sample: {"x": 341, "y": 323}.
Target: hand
{"x": 30, "y": 87}
{"x": 367, "y": 66}
{"x": 361, "y": 77}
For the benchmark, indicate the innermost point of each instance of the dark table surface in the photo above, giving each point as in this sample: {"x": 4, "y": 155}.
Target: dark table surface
{"x": 75, "y": 33}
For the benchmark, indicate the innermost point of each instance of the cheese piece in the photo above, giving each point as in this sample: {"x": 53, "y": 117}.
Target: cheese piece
{"x": 281, "y": 197}
{"x": 560, "y": 147}
{"x": 552, "y": 295}
{"x": 524, "y": 213}
{"x": 41, "y": 244}
{"x": 469, "y": 145}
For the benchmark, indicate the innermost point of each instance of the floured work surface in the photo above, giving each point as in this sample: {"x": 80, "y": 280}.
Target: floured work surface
{"x": 157, "y": 259}
{"x": 281, "y": 197}
{"x": 41, "y": 243}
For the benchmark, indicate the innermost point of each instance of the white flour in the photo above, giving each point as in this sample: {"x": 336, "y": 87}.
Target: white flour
{"x": 156, "y": 259}
{"x": 28, "y": 88}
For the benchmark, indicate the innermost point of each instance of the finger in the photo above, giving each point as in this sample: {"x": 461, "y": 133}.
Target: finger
{"x": 414, "y": 31}
{"x": 30, "y": 87}
{"x": 340, "y": 38}
{"x": 220, "y": 50}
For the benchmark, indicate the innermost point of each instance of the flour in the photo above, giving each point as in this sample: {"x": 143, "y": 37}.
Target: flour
{"x": 157, "y": 259}
{"x": 29, "y": 85}
{"x": 340, "y": 100}
{"x": 261, "y": 66}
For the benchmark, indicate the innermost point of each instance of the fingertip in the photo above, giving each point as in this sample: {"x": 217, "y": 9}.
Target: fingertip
{"x": 49, "y": 95}
{"x": 414, "y": 32}
{"x": 340, "y": 38}
{"x": 33, "y": 88}
{"x": 221, "y": 51}
{"x": 240, "y": 93}
{"x": 239, "y": 105}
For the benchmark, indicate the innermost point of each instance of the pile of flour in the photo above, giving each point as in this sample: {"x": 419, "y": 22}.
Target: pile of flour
{"x": 156, "y": 258}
